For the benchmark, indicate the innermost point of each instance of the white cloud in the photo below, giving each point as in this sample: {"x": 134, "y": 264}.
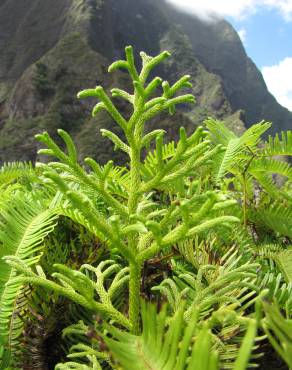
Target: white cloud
{"x": 279, "y": 81}
{"x": 209, "y": 9}
{"x": 242, "y": 35}
{"x": 212, "y": 8}
{"x": 284, "y": 6}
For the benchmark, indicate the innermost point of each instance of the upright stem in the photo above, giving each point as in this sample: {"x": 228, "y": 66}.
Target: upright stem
{"x": 135, "y": 180}
{"x": 245, "y": 187}
{"x": 134, "y": 296}
{"x": 244, "y": 201}
{"x": 135, "y": 267}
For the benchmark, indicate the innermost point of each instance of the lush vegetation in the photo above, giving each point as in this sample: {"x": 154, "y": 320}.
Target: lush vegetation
{"x": 181, "y": 259}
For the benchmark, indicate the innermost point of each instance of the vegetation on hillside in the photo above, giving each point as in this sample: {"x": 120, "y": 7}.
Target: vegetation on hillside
{"x": 181, "y": 259}
{"x": 49, "y": 50}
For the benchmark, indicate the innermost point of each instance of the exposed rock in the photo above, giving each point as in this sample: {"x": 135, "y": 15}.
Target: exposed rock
{"x": 49, "y": 50}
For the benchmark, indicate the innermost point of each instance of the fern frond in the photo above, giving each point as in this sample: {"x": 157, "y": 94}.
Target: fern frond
{"x": 78, "y": 217}
{"x": 277, "y": 289}
{"x": 118, "y": 181}
{"x": 12, "y": 171}
{"x": 266, "y": 251}
{"x": 279, "y": 332}
{"x": 252, "y": 136}
{"x": 223, "y": 161}
{"x": 235, "y": 146}
{"x": 165, "y": 343}
{"x": 267, "y": 183}
{"x": 280, "y": 144}
{"x": 218, "y": 132}
{"x": 277, "y": 217}
{"x": 150, "y": 163}
{"x": 213, "y": 285}
{"x": 23, "y": 228}
{"x": 271, "y": 166}
{"x": 284, "y": 261}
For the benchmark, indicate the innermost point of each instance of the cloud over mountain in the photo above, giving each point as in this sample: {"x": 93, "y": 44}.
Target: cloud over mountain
{"x": 210, "y": 9}
{"x": 279, "y": 81}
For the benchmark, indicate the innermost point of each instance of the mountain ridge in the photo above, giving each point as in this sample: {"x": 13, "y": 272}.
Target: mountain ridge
{"x": 49, "y": 50}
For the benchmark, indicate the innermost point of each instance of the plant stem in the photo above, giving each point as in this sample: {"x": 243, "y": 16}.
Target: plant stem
{"x": 135, "y": 266}
{"x": 244, "y": 201}
{"x": 134, "y": 297}
{"x": 135, "y": 181}
{"x": 245, "y": 187}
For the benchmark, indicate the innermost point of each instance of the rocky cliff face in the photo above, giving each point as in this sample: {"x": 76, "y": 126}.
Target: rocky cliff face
{"x": 50, "y": 49}
{"x": 218, "y": 47}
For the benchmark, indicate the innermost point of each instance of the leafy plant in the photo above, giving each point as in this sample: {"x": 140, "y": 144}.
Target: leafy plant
{"x": 278, "y": 330}
{"x": 24, "y": 225}
{"x": 41, "y": 80}
{"x": 202, "y": 223}
{"x": 137, "y": 234}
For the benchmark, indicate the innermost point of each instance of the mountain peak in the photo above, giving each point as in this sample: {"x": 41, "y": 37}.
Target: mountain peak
{"x": 51, "y": 49}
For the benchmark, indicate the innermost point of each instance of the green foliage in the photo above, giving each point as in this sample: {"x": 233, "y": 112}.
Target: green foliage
{"x": 277, "y": 216}
{"x": 204, "y": 222}
{"x": 165, "y": 343}
{"x": 284, "y": 260}
{"x": 11, "y": 172}
{"x": 278, "y": 330}
{"x": 236, "y": 148}
{"x": 279, "y": 145}
{"x": 41, "y": 80}
{"x": 79, "y": 287}
{"x": 128, "y": 223}
{"x": 212, "y": 290}
{"x": 23, "y": 226}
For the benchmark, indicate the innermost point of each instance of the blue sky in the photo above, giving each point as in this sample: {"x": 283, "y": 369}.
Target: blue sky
{"x": 265, "y": 27}
{"x": 267, "y": 36}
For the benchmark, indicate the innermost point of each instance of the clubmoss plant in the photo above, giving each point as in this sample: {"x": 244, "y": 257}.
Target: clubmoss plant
{"x": 134, "y": 225}
{"x": 145, "y": 108}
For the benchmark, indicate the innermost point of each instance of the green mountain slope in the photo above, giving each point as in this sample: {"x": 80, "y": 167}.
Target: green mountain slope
{"x": 49, "y": 50}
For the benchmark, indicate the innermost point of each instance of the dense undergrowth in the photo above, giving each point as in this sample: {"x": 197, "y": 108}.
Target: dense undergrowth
{"x": 181, "y": 259}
